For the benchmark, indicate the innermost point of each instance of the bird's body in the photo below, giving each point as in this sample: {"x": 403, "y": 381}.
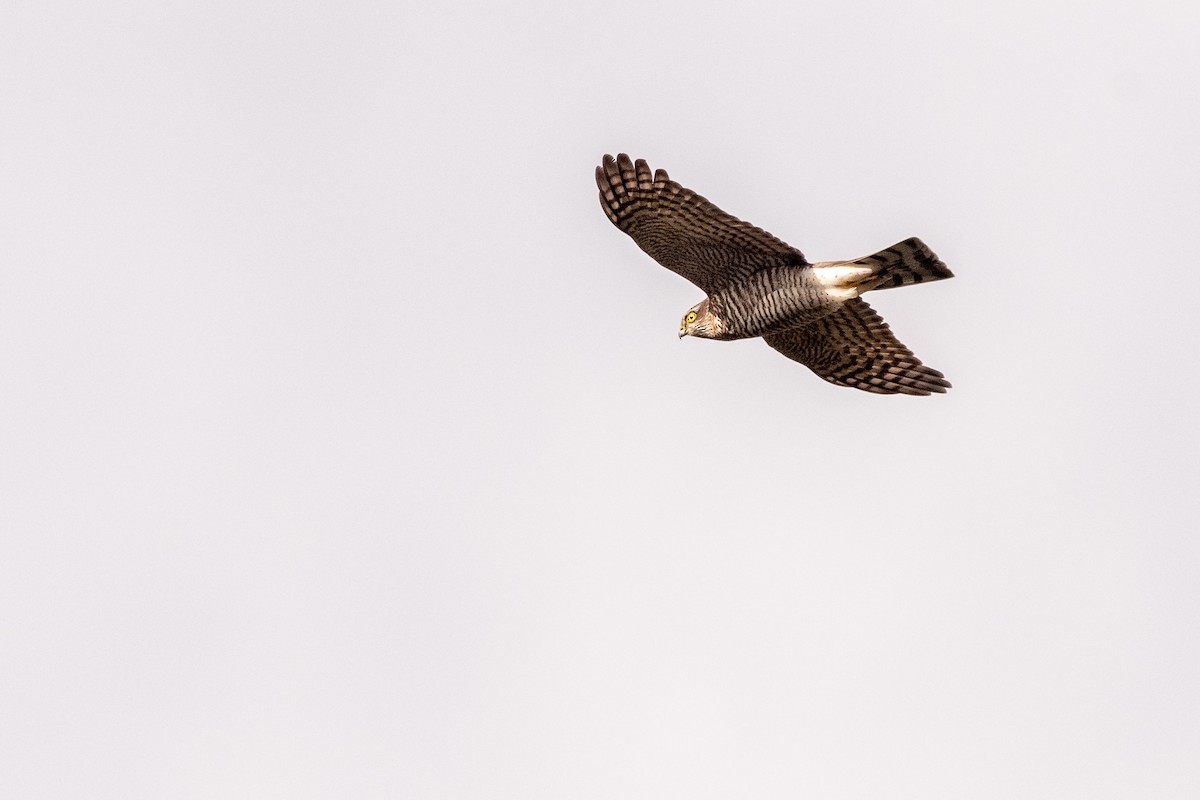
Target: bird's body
{"x": 759, "y": 286}
{"x": 766, "y": 302}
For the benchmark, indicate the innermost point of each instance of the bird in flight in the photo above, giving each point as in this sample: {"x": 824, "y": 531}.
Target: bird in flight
{"x": 758, "y": 285}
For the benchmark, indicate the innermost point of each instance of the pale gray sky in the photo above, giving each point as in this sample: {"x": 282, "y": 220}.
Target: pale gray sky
{"x": 347, "y": 450}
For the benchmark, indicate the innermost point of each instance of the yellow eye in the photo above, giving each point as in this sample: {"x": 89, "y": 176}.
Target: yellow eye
{"x": 690, "y": 318}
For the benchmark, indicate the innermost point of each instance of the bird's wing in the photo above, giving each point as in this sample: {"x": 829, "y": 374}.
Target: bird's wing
{"x": 853, "y": 346}
{"x": 683, "y": 231}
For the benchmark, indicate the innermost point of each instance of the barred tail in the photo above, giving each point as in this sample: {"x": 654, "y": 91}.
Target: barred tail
{"x": 902, "y": 264}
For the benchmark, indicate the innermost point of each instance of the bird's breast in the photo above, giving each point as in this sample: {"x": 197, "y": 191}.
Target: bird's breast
{"x": 771, "y": 301}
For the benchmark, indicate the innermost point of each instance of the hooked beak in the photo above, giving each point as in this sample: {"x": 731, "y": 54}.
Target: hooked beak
{"x": 682, "y": 333}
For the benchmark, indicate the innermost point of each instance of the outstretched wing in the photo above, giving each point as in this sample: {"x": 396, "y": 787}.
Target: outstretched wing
{"x": 853, "y": 346}
{"x": 683, "y": 231}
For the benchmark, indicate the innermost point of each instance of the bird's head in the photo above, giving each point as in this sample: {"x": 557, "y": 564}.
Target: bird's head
{"x": 701, "y": 321}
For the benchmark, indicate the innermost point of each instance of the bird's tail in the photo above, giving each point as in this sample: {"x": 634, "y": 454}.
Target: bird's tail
{"x": 902, "y": 264}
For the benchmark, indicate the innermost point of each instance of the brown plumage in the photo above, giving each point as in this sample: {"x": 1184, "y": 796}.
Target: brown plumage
{"x": 757, "y": 285}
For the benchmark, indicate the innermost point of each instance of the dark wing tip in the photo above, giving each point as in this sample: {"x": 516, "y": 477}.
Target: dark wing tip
{"x": 621, "y": 168}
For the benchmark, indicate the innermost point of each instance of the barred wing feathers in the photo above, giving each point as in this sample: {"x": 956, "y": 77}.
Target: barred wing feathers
{"x": 853, "y": 346}
{"x": 682, "y": 231}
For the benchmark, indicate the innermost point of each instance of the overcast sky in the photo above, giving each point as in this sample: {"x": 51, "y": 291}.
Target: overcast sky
{"x": 347, "y": 449}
